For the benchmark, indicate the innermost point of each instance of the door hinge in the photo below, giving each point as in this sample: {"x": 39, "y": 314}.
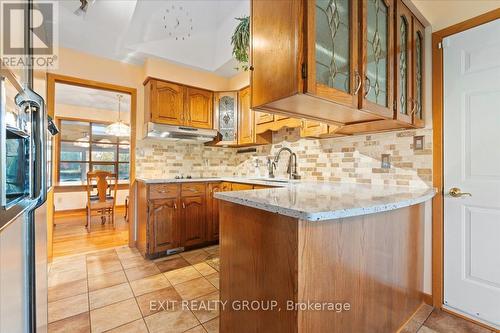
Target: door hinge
{"x": 304, "y": 71}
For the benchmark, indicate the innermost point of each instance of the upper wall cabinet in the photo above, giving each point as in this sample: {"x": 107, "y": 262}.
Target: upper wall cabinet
{"x": 332, "y": 61}
{"x": 175, "y": 104}
{"x": 226, "y": 110}
{"x": 418, "y": 79}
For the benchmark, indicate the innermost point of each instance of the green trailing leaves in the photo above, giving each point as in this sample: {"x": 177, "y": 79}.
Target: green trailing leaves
{"x": 241, "y": 41}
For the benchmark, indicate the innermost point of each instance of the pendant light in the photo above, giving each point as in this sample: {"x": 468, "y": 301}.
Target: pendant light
{"x": 118, "y": 128}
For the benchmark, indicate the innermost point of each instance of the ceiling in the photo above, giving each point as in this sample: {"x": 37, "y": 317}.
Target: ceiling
{"x": 196, "y": 33}
{"x": 91, "y": 98}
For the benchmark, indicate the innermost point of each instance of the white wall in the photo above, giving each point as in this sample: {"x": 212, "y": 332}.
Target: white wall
{"x": 78, "y": 200}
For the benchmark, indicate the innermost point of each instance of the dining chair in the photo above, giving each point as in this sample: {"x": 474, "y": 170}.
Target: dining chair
{"x": 101, "y": 196}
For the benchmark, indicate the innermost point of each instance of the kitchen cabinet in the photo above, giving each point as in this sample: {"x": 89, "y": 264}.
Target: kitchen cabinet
{"x": 311, "y": 128}
{"x": 418, "y": 78}
{"x": 213, "y": 210}
{"x": 246, "y": 122}
{"x": 164, "y": 224}
{"x": 179, "y": 105}
{"x": 199, "y": 108}
{"x": 263, "y": 117}
{"x": 226, "y": 110}
{"x": 193, "y": 220}
{"x": 241, "y": 187}
{"x": 335, "y": 62}
{"x": 166, "y": 102}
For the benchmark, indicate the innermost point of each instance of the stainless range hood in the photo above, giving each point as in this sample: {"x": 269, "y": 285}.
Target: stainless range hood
{"x": 174, "y": 133}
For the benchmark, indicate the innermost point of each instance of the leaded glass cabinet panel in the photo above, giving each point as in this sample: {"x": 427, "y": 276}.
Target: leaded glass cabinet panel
{"x": 418, "y": 72}
{"x": 403, "y": 100}
{"x": 332, "y": 59}
{"x": 377, "y": 54}
{"x": 227, "y": 113}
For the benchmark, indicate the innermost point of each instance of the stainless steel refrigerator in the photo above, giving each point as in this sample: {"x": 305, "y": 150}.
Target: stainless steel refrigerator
{"x": 23, "y": 189}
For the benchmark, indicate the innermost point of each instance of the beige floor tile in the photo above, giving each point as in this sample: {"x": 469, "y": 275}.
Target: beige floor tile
{"x": 110, "y": 295}
{"x": 425, "y": 329}
{"x": 149, "y": 284}
{"x": 161, "y": 300}
{"x": 106, "y": 280}
{"x": 139, "y": 272}
{"x": 124, "y": 251}
{"x": 443, "y": 322}
{"x": 75, "y": 324}
{"x": 138, "y": 326}
{"x": 411, "y": 326}
{"x": 171, "y": 321}
{"x": 213, "y": 279}
{"x": 423, "y": 313}
{"x": 205, "y": 308}
{"x": 68, "y": 289}
{"x": 204, "y": 268}
{"x": 169, "y": 265}
{"x": 194, "y": 288}
{"x": 196, "y": 256}
{"x": 99, "y": 267}
{"x": 78, "y": 263}
{"x": 182, "y": 275}
{"x": 102, "y": 254}
{"x": 212, "y": 326}
{"x": 134, "y": 262}
{"x": 60, "y": 277}
{"x": 197, "y": 329}
{"x": 68, "y": 307}
{"x": 114, "y": 315}
{"x": 170, "y": 257}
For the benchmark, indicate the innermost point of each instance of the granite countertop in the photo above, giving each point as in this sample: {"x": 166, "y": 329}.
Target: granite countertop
{"x": 316, "y": 201}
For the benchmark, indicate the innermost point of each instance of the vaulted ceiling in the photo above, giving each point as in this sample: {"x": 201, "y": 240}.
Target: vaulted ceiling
{"x": 196, "y": 33}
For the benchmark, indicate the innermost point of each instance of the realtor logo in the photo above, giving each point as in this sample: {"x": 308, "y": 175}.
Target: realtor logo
{"x": 42, "y": 28}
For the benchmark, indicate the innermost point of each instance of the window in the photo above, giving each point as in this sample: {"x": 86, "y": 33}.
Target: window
{"x": 85, "y": 146}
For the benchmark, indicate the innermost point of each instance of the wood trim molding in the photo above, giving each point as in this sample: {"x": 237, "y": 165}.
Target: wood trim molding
{"x": 437, "y": 120}
{"x": 52, "y": 79}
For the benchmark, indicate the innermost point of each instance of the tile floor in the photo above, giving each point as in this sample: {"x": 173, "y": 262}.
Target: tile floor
{"x": 116, "y": 290}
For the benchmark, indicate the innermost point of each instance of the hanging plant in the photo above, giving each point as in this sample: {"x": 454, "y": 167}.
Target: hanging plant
{"x": 241, "y": 41}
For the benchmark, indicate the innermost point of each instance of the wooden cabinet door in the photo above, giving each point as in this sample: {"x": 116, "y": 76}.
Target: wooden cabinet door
{"x": 193, "y": 220}
{"x": 403, "y": 69}
{"x": 164, "y": 231}
{"x": 246, "y": 119}
{"x": 312, "y": 128}
{"x": 332, "y": 59}
{"x": 377, "y": 57}
{"x": 418, "y": 73}
{"x": 241, "y": 187}
{"x": 167, "y": 103}
{"x": 263, "y": 118}
{"x": 199, "y": 106}
{"x": 213, "y": 212}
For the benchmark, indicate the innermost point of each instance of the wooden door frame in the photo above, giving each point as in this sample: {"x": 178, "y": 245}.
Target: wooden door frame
{"x": 437, "y": 121}
{"x": 52, "y": 79}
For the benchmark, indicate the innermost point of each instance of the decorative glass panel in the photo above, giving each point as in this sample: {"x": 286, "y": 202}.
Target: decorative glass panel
{"x": 403, "y": 64}
{"x": 332, "y": 43}
{"x": 418, "y": 74}
{"x": 376, "y": 51}
{"x": 226, "y": 118}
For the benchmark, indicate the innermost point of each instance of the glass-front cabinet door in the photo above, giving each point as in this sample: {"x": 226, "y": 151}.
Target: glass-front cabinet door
{"x": 418, "y": 73}
{"x": 332, "y": 65}
{"x": 403, "y": 101}
{"x": 227, "y": 116}
{"x": 377, "y": 56}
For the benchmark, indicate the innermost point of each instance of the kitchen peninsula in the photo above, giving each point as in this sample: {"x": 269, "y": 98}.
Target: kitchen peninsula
{"x": 325, "y": 243}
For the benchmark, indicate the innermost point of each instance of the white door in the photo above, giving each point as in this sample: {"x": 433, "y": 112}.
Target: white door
{"x": 472, "y": 164}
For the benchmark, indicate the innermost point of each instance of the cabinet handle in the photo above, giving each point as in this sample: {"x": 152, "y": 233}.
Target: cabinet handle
{"x": 369, "y": 85}
{"x": 251, "y": 68}
{"x": 175, "y": 205}
{"x": 357, "y": 78}
{"x": 415, "y": 105}
{"x": 162, "y": 191}
{"x": 183, "y": 206}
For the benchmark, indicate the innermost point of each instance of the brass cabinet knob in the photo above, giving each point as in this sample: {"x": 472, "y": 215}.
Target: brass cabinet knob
{"x": 457, "y": 193}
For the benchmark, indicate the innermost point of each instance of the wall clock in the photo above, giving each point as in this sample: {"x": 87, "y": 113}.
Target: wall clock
{"x": 177, "y": 22}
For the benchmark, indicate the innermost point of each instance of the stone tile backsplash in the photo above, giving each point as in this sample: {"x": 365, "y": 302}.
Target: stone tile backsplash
{"x": 349, "y": 159}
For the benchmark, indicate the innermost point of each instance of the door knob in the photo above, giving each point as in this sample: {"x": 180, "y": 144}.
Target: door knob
{"x": 457, "y": 193}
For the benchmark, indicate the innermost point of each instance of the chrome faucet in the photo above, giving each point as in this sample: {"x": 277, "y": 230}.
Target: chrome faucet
{"x": 291, "y": 169}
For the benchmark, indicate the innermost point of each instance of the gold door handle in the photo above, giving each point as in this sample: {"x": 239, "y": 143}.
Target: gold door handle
{"x": 457, "y": 193}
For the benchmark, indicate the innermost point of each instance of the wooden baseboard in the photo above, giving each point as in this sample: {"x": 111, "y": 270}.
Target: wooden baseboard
{"x": 427, "y": 299}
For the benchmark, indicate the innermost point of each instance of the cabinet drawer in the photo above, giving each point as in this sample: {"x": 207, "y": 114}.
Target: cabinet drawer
{"x": 188, "y": 190}
{"x": 241, "y": 187}
{"x": 161, "y": 191}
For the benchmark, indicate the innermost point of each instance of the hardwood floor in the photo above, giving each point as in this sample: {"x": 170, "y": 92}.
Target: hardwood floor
{"x": 71, "y": 236}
